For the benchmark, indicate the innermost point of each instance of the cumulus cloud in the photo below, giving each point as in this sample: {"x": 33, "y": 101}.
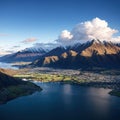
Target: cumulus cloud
{"x": 89, "y": 30}
{"x": 65, "y": 35}
{"x": 29, "y": 40}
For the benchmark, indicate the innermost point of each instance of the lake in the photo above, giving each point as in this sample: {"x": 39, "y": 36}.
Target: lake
{"x": 59, "y": 101}
{"x": 7, "y": 66}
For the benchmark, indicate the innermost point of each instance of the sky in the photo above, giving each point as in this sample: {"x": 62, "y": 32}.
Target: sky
{"x": 26, "y": 23}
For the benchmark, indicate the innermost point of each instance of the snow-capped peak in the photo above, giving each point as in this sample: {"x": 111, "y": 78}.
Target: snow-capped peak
{"x": 34, "y": 50}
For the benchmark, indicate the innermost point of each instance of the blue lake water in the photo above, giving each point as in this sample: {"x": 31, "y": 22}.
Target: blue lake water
{"x": 58, "y": 101}
{"x": 7, "y": 66}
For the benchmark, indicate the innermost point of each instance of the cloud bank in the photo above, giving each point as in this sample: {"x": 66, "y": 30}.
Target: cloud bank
{"x": 3, "y": 51}
{"x": 88, "y": 30}
{"x": 46, "y": 46}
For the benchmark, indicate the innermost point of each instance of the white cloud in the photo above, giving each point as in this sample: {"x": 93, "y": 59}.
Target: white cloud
{"x": 65, "y": 37}
{"x": 88, "y": 30}
{"x": 29, "y": 40}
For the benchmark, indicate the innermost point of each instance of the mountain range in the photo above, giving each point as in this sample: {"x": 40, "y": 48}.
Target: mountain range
{"x": 87, "y": 55}
{"x": 26, "y": 55}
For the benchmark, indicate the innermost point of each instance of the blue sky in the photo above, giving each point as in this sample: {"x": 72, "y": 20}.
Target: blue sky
{"x": 37, "y": 21}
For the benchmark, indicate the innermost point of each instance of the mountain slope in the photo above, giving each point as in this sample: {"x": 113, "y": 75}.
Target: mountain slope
{"x": 26, "y": 55}
{"x": 105, "y": 55}
{"x": 87, "y": 55}
{"x": 56, "y": 51}
{"x": 99, "y": 48}
{"x": 11, "y": 88}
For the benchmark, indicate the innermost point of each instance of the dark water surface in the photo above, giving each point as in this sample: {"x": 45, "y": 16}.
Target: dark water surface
{"x": 60, "y": 101}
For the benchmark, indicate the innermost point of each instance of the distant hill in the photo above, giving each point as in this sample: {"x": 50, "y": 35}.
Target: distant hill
{"x": 88, "y": 55}
{"x": 11, "y": 88}
{"x": 26, "y": 55}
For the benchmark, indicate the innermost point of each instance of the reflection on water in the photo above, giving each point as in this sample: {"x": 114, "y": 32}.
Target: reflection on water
{"x": 63, "y": 102}
{"x": 100, "y": 101}
{"x": 67, "y": 89}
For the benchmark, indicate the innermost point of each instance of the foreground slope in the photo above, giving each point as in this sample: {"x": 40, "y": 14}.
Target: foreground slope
{"x": 11, "y": 88}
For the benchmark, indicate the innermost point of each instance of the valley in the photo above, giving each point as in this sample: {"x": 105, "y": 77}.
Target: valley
{"x": 93, "y": 63}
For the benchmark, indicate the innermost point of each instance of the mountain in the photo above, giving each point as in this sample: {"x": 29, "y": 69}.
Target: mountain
{"x": 56, "y": 51}
{"x": 26, "y": 55}
{"x": 11, "y": 87}
{"x": 117, "y": 44}
{"x": 88, "y": 55}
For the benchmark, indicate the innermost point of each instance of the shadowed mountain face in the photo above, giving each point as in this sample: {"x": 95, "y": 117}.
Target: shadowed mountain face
{"x": 11, "y": 87}
{"x": 87, "y": 55}
{"x": 26, "y": 55}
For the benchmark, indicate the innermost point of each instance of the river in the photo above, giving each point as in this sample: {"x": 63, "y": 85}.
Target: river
{"x": 59, "y": 101}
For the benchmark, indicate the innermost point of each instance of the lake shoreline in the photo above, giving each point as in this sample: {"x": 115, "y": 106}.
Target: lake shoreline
{"x": 97, "y": 78}
{"x": 12, "y": 92}
{"x": 103, "y": 79}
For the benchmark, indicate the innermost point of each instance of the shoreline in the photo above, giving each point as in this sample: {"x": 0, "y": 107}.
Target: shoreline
{"x": 100, "y": 79}
{"x": 113, "y": 92}
{"x": 103, "y": 79}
